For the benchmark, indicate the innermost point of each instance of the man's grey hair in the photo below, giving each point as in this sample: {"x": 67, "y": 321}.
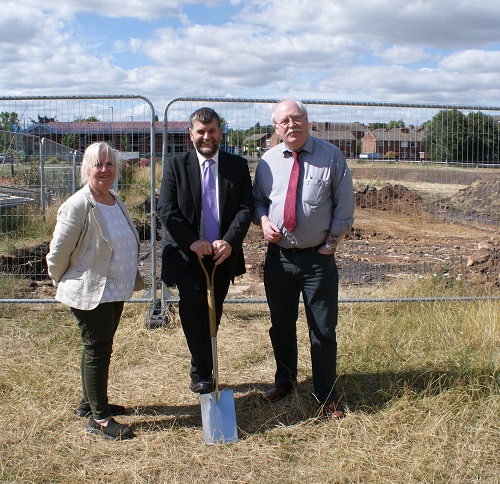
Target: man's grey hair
{"x": 298, "y": 103}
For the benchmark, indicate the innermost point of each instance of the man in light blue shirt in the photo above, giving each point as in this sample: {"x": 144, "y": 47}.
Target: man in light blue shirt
{"x": 301, "y": 255}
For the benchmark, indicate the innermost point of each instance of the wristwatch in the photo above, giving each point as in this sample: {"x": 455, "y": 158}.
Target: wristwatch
{"x": 331, "y": 248}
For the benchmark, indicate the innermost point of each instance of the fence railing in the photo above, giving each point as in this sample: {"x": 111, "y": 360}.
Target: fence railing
{"x": 426, "y": 178}
{"x": 42, "y": 140}
{"x": 426, "y": 184}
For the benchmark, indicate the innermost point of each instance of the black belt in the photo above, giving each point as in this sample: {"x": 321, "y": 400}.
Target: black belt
{"x": 307, "y": 249}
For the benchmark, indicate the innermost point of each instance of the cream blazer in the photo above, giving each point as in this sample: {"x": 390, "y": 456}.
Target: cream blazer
{"x": 80, "y": 251}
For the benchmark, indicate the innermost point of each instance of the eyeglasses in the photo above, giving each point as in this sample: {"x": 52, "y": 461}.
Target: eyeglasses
{"x": 291, "y": 119}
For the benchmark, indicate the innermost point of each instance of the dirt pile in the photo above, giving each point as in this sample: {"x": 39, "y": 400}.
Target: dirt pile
{"x": 478, "y": 198}
{"x": 482, "y": 266}
{"x": 27, "y": 262}
{"x": 390, "y": 198}
{"x": 460, "y": 253}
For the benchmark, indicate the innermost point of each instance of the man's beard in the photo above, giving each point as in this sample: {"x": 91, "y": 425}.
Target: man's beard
{"x": 207, "y": 151}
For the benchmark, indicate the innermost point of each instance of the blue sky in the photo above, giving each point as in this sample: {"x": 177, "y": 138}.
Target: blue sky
{"x": 425, "y": 51}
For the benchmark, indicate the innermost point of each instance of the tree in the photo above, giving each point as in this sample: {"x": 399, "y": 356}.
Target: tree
{"x": 43, "y": 120}
{"x": 126, "y": 144}
{"x": 482, "y": 133}
{"x": 446, "y": 136}
{"x": 89, "y": 119}
{"x": 453, "y": 136}
{"x": 359, "y": 146}
{"x": 236, "y": 137}
{"x": 9, "y": 122}
{"x": 396, "y": 124}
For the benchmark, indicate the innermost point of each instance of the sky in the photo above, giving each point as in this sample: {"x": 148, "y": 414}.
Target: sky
{"x": 420, "y": 51}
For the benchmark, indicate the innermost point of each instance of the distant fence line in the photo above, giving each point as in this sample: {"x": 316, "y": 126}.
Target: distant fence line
{"x": 434, "y": 152}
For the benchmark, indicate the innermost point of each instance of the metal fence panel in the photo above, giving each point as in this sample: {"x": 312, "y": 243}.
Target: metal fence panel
{"x": 42, "y": 140}
{"x": 426, "y": 183}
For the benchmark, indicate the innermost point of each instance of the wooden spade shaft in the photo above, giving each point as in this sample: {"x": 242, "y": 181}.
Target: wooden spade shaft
{"x": 212, "y": 322}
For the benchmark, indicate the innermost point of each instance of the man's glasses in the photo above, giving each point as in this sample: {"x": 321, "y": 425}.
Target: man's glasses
{"x": 291, "y": 119}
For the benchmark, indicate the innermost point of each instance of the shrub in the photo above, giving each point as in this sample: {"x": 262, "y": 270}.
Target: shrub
{"x": 391, "y": 155}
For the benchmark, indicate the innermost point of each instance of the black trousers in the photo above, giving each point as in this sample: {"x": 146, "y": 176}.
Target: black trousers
{"x": 97, "y": 328}
{"x": 287, "y": 275}
{"x": 193, "y": 311}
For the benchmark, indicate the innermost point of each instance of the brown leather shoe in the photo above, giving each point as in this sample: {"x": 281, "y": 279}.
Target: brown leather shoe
{"x": 333, "y": 409}
{"x": 274, "y": 394}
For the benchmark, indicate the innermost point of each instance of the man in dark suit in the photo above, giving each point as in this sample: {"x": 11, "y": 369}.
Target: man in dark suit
{"x": 186, "y": 218}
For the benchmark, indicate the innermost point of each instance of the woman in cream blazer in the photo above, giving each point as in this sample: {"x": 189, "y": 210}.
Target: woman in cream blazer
{"x": 93, "y": 262}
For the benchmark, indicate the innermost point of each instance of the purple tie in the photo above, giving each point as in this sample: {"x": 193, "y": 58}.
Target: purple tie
{"x": 210, "y": 212}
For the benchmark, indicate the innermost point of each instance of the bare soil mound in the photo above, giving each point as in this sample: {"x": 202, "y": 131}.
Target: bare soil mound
{"x": 390, "y": 198}
{"x": 27, "y": 262}
{"x": 482, "y": 266}
{"x": 480, "y": 197}
{"x": 455, "y": 237}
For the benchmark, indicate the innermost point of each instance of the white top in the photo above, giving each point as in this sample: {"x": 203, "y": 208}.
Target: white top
{"x": 123, "y": 266}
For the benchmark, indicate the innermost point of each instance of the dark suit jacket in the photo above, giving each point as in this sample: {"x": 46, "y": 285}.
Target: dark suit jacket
{"x": 179, "y": 207}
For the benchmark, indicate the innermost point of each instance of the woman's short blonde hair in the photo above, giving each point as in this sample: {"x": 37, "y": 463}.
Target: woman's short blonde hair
{"x": 91, "y": 157}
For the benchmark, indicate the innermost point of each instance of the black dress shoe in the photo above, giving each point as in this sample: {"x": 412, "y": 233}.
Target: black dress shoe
{"x": 275, "y": 393}
{"x": 203, "y": 385}
{"x": 84, "y": 409}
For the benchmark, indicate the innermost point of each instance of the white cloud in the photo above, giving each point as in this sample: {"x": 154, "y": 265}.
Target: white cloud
{"x": 437, "y": 23}
{"x": 20, "y": 25}
{"x": 402, "y": 54}
{"x": 400, "y": 84}
{"x": 473, "y": 62}
{"x": 141, "y": 9}
{"x": 386, "y": 50}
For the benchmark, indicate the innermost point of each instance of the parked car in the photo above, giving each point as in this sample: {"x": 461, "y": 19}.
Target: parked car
{"x": 370, "y": 156}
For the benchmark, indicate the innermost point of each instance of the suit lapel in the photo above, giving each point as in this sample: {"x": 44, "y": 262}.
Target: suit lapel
{"x": 193, "y": 168}
{"x": 97, "y": 214}
{"x": 224, "y": 168}
{"x": 101, "y": 223}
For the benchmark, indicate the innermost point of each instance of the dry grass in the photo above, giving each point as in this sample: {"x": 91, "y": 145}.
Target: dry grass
{"x": 420, "y": 380}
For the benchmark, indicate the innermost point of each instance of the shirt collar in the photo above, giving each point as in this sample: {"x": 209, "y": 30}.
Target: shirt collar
{"x": 308, "y": 146}
{"x": 202, "y": 159}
